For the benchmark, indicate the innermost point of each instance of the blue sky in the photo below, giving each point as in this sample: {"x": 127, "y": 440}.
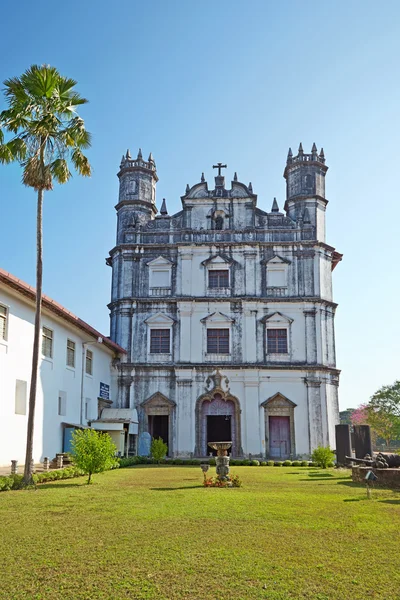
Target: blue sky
{"x": 233, "y": 81}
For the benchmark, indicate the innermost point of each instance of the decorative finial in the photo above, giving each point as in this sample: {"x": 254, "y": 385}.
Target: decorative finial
{"x": 306, "y": 216}
{"x": 150, "y": 159}
{"x": 187, "y": 188}
{"x": 235, "y": 177}
{"x": 128, "y": 155}
{"x": 122, "y": 159}
{"x": 322, "y": 156}
{"x": 250, "y": 187}
{"x": 314, "y": 152}
{"x": 202, "y": 178}
{"x": 163, "y": 209}
{"x": 301, "y": 152}
{"x": 289, "y": 156}
{"x": 139, "y": 154}
{"x": 275, "y": 207}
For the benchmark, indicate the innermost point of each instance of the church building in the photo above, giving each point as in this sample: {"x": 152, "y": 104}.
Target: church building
{"x": 226, "y": 313}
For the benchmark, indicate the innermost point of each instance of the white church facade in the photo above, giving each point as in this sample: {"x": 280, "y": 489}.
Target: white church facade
{"x": 226, "y": 313}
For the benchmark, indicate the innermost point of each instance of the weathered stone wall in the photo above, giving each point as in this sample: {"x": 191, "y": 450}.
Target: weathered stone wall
{"x": 387, "y": 478}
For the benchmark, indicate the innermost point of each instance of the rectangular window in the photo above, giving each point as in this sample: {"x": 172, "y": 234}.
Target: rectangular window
{"x": 218, "y": 279}
{"x": 20, "y": 397}
{"x": 3, "y": 322}
{"x": 277, "y": 341}
{"x": 47, "y": 342}
{"x": 218, "y": 341}
{"x": 70, "y": 353}
{"x": 160, "y": 341}
{"x": 62, "y": 404}
{"x": 89, "y": 362}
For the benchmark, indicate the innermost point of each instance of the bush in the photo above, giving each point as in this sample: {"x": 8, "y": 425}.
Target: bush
{"x": 287, "y": 463}
{"x": 246, "y": 463}
{"x": 158, "y": 449}
{"x": 296, "y": 463}
{"x": 255, "y": 463}
{"x": 93, "y": 451}
{"x": 278, "y": 463}
{"x": 323, "y": 456}
{"x": 212, "y": 462}
{"x": 304, "y": 463}
{"x": 263, "y": 463}
{"x": 270, "y": 463}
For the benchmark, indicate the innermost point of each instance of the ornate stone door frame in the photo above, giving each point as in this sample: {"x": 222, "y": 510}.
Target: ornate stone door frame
{"x": 208, "y": 397}
{"x": 158, "y": 404}
{"x": 279, "y": 406}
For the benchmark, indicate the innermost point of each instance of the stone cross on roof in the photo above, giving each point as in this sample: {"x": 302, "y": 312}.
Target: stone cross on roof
{"x": 219, "y": 166}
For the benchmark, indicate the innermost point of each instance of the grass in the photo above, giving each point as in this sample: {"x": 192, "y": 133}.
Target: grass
{"x": 154, "y": 533}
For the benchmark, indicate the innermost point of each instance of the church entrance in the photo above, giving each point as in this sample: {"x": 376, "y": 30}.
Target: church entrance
{"x": 279, "y": 437}
{"x": 158, "y": 427}
{"x": 218, "y": 430}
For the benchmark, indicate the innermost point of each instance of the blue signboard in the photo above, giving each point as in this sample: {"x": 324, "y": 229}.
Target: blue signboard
{"x": 104, "y": 391}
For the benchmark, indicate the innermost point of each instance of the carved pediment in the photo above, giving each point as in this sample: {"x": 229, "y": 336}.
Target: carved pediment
{"x": 159, "y": 262}
{"x": 278, "y": 400}
{"x": 218, "y": 259}
{"x": 200, "y": 190}
{"x": 217, "y": 317}
{"x": 275, "y": 260}
{"x": 159, "y": 319}
{"x": 276, "y": 318}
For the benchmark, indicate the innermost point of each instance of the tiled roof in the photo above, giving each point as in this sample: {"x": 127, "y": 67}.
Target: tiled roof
{"x": 56, "y": 308}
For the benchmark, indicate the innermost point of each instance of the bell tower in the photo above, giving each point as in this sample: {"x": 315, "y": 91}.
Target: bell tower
{"x": 137, "y": 193}
{"x": 305, "y": 189}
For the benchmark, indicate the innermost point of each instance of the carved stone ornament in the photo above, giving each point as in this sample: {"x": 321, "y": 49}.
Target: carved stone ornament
{"x": 217, "y": 382}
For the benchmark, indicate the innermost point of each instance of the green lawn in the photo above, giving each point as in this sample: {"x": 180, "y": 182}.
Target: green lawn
{"x": 153, "y": 532}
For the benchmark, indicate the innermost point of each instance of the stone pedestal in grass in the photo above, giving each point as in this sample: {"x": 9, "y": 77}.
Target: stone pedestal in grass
{"x": 222, "y": 459}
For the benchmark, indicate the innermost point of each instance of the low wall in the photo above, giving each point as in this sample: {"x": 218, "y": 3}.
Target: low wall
{"x": 388, "y": 478}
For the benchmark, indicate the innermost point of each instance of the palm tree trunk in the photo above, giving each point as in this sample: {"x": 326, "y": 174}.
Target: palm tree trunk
{"x": 36, "y": 341}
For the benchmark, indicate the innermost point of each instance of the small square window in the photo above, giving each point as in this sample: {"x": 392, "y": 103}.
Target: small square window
{"x": 89, "y": 362}
{"x": 47, "y": 342}
{"x": 70, "y": 353}
{"x": 160, "y": 341}
{"x": 277, "y": 341}
{"x": 218, "y": 278}
{"x": 3, "y": 322}
{"x": 218, "y": 341}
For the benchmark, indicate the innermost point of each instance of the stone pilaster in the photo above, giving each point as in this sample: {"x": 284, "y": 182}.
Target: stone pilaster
{"x": 250, "y": 414}
{"x": 315, "y": 426}
{"x": 311, "y": 336}
{"x": 249, "y": 346}
{"x": 185, "y": 339}
{"x": 184, "y": 418}
{"x": 250, "y": 272}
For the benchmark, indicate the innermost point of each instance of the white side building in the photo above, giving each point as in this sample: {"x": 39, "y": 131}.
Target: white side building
{"x": 77, "y": 380}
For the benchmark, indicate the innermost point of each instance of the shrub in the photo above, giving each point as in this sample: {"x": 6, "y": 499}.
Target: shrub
{"x": 270, "y": 463}
{"x": 158, "y": 449}
{"x": 263, "y": 463}
{"x": 287, "y": 463}
{"x": 304, "y": 463}
{"x": 177, "y": 461}
{"x": 278, "y": 463}
{"x": 93, "y": 451}
{"x": 255, "y": 463}
{"x": 212, "y": 462}
{"x": 323, "y": 456}
{"x": 296, "y": 463}
{"x": 246, "y": 463}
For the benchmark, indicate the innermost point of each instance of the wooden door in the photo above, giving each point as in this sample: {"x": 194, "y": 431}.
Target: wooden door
{"x": 279, "y": 437}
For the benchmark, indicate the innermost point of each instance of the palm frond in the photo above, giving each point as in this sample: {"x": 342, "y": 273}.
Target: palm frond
{"x": 59, "y": 170}
{"x": 81, "y": 163}
{"x": 36, "y": 174}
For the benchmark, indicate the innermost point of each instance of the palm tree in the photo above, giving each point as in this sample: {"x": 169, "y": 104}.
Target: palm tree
{"x": 45, "y": 135}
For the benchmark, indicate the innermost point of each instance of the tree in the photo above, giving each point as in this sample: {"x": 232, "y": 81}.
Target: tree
{"x": 359, "y": 415}
{"x": 158, "y": 449}
{"x": 45, "y": 135}
{"x": 93, "y": 451}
